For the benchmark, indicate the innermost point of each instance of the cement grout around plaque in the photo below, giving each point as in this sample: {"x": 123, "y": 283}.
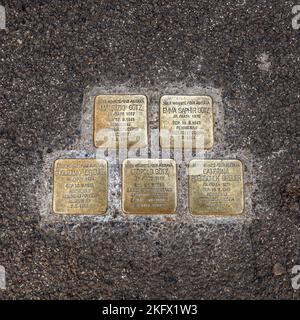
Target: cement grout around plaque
{"x": 83, "y": 148}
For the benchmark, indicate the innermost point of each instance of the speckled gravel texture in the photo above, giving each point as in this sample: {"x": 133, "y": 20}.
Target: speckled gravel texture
{"x": 52, "y": 51}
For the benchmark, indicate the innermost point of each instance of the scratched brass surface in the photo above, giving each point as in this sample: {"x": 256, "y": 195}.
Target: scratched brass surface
{"x": 216, "y": 187}
{"x": 149, "y": 186}
{"x": 185, "y": 120}
{"x": 120, "y": 121}
{"x": 80, "y": 186}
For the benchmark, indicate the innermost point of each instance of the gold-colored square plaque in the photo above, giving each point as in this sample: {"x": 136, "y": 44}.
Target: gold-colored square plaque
{"x": 120, "y": 121}
{"x": 149, "y": 186}
{"x": 216, "y": 187}
{"x": 186, "y": 122}
{"x": 80, "y": 186}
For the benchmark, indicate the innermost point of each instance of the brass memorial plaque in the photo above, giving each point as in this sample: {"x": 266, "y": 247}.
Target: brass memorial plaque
{"x": 80, "y": 186}
{"x": 120, "y": 120}
{"x": 186, "y": 118}
{"x": 216, "y": 187}
{"x": 149, "y": 186}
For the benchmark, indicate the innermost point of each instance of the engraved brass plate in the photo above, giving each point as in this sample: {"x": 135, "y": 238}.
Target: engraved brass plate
{"x": 120, "y": 121}
{"x": 80, "y": 186}
{"x": 186, "y": 121}
{"x": 149, "y": 186}
{"x": 216, "y": 187}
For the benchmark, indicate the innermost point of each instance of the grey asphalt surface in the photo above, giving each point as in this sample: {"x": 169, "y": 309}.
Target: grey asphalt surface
{"x": 53, "y": 50}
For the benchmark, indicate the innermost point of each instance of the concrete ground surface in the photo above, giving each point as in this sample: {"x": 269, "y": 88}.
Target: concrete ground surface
{"x": 53, "y": 51}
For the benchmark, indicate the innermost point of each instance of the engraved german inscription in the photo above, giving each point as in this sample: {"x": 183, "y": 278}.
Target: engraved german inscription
{"x": 149, "y": 186}
{"x": 216, "y": 187}
{"x": 80, "y": 186}
{"x": 186, "y": 121}
{"x": 120, "y": 121}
